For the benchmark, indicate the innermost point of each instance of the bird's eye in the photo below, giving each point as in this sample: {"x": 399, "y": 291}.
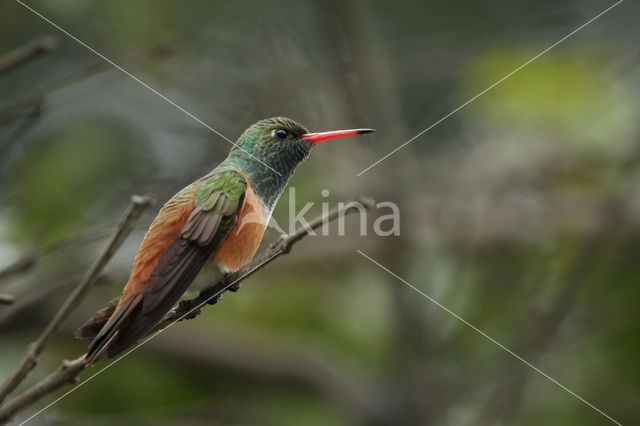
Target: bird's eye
{"x": 281, "y": 133}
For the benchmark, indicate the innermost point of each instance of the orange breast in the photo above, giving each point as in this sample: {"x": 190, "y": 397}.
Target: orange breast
{"x": 243, "y": 240}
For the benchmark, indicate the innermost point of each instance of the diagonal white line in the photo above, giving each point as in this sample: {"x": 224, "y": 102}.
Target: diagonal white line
{"x": 482, "y": 333}
{"x": 491, "y": 87}
{"x": 143, "y": 342}
{"x": 151, "y": 89}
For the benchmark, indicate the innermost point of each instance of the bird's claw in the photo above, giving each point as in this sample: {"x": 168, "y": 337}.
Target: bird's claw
{"x": 192, "y": 314}
{"x": 185, "y": 304}
{"x": 210, "y": 296}
{"x": 190, "y": 307}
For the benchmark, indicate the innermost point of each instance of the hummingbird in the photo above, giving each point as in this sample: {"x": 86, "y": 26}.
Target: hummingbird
{"x": 209, "y": 229}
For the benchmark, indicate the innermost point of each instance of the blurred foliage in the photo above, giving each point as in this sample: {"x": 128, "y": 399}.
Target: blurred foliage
{"x": 555, "y": 93}
{"x": 519, "y": 212}
{"x": 88, "y": 159}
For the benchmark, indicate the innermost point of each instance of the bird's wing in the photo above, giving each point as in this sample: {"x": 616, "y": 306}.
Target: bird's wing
{"x": 215, "y": 202}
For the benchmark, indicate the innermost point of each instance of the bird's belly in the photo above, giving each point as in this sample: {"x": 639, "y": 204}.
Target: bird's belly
{"x": 238, "y": 247}
{"x": 243, "y": 239}
{"x": 208, "y": 276}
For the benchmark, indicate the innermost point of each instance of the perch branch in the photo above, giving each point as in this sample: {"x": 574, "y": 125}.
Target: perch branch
{"x": 68, "y": 372}
{"x": 138, "y": 204}
{"x": 27, "y": 52}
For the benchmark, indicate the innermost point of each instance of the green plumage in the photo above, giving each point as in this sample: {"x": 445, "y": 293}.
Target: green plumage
{"x": 218, "y": 197}
{"x": 220, "y": 191}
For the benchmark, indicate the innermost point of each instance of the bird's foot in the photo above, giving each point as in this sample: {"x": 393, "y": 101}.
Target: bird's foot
{"x": 211, "y": 295}
{"x": 191, "y": 307}
{"x": 231, "y": 286}
{"x": 186, "y": 305}
{"x": 192, "y": 314}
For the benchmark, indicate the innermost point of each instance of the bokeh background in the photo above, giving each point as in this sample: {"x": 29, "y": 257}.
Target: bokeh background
{"x": 520, "y": 212}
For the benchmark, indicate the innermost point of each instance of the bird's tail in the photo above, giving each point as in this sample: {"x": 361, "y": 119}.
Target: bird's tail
{"x": 90, "y": 329}
{"x": 102, "y": 342}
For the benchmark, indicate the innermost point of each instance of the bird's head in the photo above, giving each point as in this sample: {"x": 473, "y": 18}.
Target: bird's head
{"x": 281, "y": 144}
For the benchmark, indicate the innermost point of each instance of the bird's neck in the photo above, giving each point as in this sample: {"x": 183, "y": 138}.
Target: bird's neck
{"x": 265, "y": 182}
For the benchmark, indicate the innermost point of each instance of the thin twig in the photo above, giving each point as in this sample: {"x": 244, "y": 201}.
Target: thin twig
{"x": 21, "y": 265}
{"x": 69, "y": 371}
{"x": 138, "y": 204}
{"x": 29, "y": 260}
{"x": 7, "y": 299}
{"x": 39, "y": 292}
{"x": 37, "y": 98}
{"x": 25, "y": 53}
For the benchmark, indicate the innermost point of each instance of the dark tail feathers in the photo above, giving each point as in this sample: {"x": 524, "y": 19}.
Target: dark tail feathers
{"x": 90, "y": 329}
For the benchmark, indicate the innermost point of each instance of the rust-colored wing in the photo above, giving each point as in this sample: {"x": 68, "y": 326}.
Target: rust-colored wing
{"x": 183, "y": 237}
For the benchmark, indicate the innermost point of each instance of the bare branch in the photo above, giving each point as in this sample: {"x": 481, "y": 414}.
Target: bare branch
{"x": 69, "y": 371}
{"x": 36, "y": 99}
{"x": 25, "y": 53}
{"x": 7, "y": 299}
{"x": 21, "y": 265}
{"x": 138, "y": 204}
{"x": 39, "y": 292}
{"x": 29, "y": 260}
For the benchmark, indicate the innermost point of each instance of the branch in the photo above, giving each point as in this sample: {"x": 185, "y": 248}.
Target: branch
{"x": 69, "y": 371}
{"x": 138, "y": 205}
{"x": 29, "y": 260}
{"x": 25, "y": 53}
{"x": 21, "y": 265}
{"x": 36, "y": 99}
{"x": 7, "y": 299}
{"x": 39, "y": 292}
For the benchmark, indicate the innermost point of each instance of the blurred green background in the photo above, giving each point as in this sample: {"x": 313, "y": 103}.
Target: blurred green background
{"x": 520, "y": 212}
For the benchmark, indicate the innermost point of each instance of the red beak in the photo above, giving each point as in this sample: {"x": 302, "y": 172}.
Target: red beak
{"x": 322, "y": 136}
